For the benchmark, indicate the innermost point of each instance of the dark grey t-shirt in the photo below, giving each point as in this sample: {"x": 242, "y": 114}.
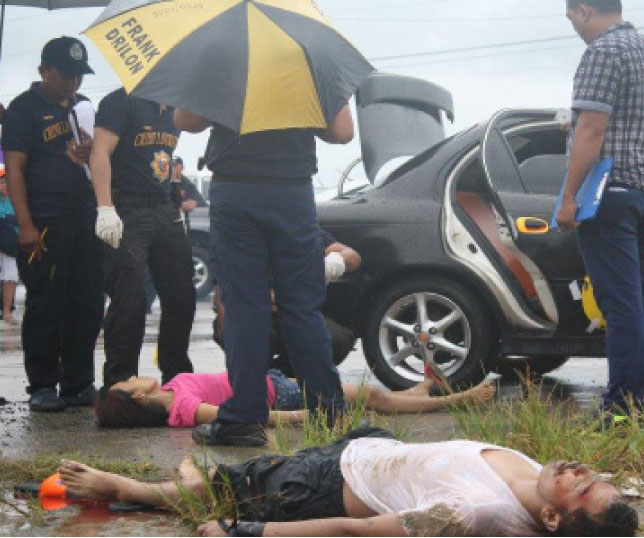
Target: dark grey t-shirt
{"x": 285, "y": 154}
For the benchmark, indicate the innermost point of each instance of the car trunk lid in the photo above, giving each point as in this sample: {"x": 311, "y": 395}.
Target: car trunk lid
{"x": 399, "y": 116}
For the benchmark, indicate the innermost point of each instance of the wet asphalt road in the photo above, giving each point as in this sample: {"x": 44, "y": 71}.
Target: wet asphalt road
{"x": 25, "y": 434}
{"x": 73, "y": 433}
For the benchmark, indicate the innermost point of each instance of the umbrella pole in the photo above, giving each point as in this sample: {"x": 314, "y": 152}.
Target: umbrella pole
{"x": 4, "y": 5}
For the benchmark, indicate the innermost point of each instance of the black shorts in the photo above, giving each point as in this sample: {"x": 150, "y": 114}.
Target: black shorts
{"x": 307, "y": 485}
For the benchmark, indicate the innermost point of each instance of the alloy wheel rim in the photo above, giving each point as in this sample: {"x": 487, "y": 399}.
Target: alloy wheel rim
{"x": 200, "y": 274}
{"x": 424, "y": 327}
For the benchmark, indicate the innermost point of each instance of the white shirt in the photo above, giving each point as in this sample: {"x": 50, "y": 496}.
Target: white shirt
{"x": 438, "y": 487}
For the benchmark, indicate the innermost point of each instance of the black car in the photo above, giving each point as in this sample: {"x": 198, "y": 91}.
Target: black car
{"x": 460, "y": 266}
{"x": 199, "y": 238}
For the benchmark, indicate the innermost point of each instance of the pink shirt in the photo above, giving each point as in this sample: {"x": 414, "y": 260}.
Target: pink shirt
{"x": 191, "y": 390}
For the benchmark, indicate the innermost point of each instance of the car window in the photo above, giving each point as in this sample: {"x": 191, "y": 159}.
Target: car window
{"x": 541, "y": 154}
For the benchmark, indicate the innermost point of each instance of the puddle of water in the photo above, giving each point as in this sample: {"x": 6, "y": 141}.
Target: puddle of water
{"x": 87, "y": 519}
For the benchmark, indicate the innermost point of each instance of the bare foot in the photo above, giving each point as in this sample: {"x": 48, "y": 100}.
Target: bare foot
{"x": 483, "y": 392}
{"x": 425, "y": 386}
{"x": 422, "y": 389}
{"x": 188, "y": 470}
{"x": 10, "y": 320}
{"x": 84, "y": 482}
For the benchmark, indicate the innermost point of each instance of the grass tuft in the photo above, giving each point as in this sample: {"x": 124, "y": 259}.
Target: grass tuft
{"x": 547, "y": 429}
{"x": 44, "y": 465}
{"x": 315, "y": 431}
{"x": 214, "y": 504}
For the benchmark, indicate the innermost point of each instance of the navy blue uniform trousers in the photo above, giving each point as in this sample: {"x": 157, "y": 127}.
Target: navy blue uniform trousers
{"x": 263, "y": 235}
{"x": 153, "y": 238}
{"x": 612, "y": 246}
{"x": 64, "y": 306}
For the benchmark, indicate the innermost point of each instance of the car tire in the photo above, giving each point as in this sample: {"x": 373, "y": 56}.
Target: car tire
{"x": 202, "y": 277}
{"x": 516, "y": 368}
{"x": 466, "y": 330}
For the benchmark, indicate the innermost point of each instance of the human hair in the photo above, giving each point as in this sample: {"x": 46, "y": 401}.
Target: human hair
{"x": 619, "y": 519}
{"x": 603, "y": 6}
{"x": 117, "y": 409}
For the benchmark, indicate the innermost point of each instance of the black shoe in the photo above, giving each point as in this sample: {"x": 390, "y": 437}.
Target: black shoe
{"x": 229, "y": 433}
{"x": 46, "y": 401}
{"x": 84, "y": 398}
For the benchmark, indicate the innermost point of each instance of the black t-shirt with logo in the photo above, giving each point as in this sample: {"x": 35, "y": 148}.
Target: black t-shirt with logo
{"x": 141, "y": 162}
{"x": 56, "y": 187}
{"x": 281, "y": 154}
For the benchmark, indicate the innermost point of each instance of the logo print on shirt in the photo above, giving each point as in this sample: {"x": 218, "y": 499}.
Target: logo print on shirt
{"x": 57, "y": 129}
{"x": 161, "y": 166}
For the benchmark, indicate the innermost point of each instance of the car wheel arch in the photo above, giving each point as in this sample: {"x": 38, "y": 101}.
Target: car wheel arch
{"x": 470, "y": 282}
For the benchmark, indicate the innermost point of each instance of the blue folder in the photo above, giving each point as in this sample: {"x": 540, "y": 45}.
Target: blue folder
{"x": 590, "y": 194}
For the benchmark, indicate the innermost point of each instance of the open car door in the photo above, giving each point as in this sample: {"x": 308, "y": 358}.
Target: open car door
{"x": 523, "y": 195}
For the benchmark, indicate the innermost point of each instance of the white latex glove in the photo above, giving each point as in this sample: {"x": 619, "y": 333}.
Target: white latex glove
{"x": 334, "y": 266}
{"x": 109, "y": 227}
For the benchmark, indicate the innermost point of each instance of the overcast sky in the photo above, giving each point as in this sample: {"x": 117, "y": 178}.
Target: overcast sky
{"x": 490, "y": 74}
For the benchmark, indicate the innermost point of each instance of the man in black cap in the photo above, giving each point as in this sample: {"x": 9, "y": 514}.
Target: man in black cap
{"x": 142, "y": 226}
{"x": 60, "y": 259}
{"x": 188, "y": 195}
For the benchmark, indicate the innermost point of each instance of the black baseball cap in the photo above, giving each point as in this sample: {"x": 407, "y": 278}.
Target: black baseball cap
{"x": 68, "y": 55}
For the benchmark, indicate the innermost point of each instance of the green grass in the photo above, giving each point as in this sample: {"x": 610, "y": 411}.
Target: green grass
{"x": 314, "y": 431}
{"x": 547, "y": 429}
{"x": 41, "y": 466}
{"x": 195, "y": 509}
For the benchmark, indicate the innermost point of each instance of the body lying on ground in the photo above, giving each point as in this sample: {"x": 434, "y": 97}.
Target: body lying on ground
{"x": 369, "y": 484}
{"x": 191, "y": 399}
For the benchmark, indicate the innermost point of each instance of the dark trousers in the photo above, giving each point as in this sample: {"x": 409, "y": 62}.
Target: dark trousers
{"x": 64, "y": 306}
{"x": 612, "y": 246}
{"x": 262, "y": 232}
{"x": 153, "y": 237}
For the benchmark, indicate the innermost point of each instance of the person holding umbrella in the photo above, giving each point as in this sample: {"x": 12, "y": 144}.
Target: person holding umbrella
{"x": 264, "y": 226}
{"x": 267, "y": 77}
{"x": 61, "y": 258}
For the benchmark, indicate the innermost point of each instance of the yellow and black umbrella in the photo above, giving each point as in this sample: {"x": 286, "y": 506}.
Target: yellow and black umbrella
{"x": 249, "y": 65}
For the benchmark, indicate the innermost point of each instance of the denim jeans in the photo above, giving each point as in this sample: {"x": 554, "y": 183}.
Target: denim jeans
{"x": 612, "y": 246}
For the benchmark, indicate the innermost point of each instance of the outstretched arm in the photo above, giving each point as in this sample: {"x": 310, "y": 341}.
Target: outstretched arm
{"x": 416, "y": 400}
{"x": 206, "y": 413}
{"x": 386, "y": 525}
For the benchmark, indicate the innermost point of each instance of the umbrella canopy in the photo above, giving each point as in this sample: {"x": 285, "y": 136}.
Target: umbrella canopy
{"x": 250, "y": 65}
{"x": 56, "y": 4}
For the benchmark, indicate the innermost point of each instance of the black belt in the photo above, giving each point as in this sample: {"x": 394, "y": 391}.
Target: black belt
{"x": 263, "y": 180}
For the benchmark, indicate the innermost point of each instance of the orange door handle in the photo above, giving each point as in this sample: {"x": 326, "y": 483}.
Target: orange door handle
{"x": 532, "y": 225}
